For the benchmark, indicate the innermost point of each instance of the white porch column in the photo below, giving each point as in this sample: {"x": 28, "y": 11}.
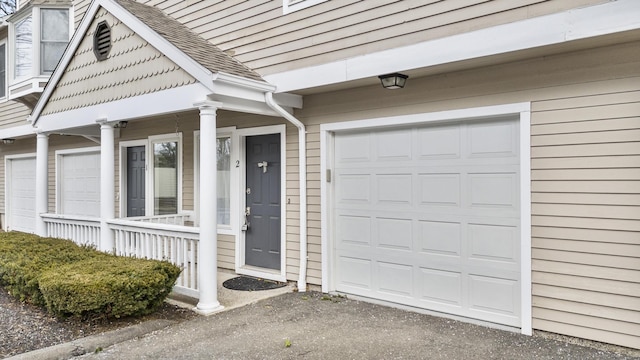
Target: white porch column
{"x": 107, "y": 185}
{"x": 208, "y": 245}
{"x": 42, "y": 179}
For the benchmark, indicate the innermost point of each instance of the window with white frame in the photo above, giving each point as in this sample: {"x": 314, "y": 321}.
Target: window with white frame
{"x": 54, "y": 36}
{"x": 225, "y": 176}
{"x": 166, "y": 170}
{"x": 295, "y": 5}
{"x": 40, "y": 36}
{"x": 23, "y": 47}
{"x": 3, "y": 70}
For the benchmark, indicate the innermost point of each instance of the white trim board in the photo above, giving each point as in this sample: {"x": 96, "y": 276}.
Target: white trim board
{"x": 157, "y": 103}
{"x": 522, "y": 110}
{"x": 581, "y": 23}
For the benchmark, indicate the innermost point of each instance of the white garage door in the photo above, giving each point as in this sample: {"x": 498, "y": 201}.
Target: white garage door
{"x": 21, "y": 198}
{"x": 79, "y": 192}
{"x": 428, "y": 216}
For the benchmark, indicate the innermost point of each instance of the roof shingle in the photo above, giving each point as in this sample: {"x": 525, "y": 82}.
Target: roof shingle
{"x": 202, "y": 51}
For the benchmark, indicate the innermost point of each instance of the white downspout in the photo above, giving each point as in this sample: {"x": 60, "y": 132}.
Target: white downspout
{"x": 302, "y": 154}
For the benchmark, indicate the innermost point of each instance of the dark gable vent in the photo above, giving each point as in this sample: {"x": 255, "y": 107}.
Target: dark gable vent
{"x": 102, "y": 41}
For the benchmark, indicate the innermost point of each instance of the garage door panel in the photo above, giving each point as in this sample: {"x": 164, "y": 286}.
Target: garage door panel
{"x": 439, "y": 189}
{"x": 436, "y": 224}
{"x": 494, "y": 243}
{"x": 354, "y": 148}
{"x": 353, "y": 229}
{"x": 394, "y": 234}
{"x": 442, "y": 142}
{"x": 357, "y": 272}
{"x": 440, "y": 237}
{"x": 394, "y": 146}
{"x": 493, "y": 294}
{"x": 396, "y": 189}
{"x": 440, "y": 286}
{"x": 492, "y": 139}
{"x": 394, "y": 278}
{"x": 354, "y": 188}
{"x": 494, "y": 190}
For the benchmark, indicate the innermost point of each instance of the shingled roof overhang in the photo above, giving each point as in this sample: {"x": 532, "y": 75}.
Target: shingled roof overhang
{"x": 220, "y": 77}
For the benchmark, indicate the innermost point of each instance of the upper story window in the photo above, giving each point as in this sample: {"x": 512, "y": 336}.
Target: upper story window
{"x": 39, "y": 38}
{"x": 38, "y": 35}
{"x": 295, "y": 5}
{"x": 23, "y": 40}
{"x": 54, "y": 36}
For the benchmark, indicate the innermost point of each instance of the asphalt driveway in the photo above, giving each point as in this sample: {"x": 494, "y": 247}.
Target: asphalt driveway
{"x": 317, "y": 326}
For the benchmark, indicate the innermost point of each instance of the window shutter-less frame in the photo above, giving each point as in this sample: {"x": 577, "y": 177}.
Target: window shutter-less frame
{"x": 102, "y": 41}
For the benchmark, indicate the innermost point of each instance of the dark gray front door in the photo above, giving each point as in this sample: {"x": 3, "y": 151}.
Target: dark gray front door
{"x": 135, "y": 181}
{"x": 262, "y": 237}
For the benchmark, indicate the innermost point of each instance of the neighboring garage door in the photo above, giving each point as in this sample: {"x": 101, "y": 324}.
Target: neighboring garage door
{"x": 428, "y": 216}
{"x": 21, "y": 198}
{"x": 79, "y": 179}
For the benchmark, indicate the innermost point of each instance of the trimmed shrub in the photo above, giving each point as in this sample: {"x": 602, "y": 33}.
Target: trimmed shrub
{"x": 24, "y": 257}
{"x": 72, "y": 280}
{"x": 108, "y": 286}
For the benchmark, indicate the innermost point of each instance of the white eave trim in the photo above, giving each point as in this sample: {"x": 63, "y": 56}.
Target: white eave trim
{"x": 157, "y": 103}
{"x": 582, "y": 23}
{"x": 200, "y": 73}
{"x": 17, "y": 131}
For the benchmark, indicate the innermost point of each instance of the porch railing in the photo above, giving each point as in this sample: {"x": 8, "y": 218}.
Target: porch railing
{"x": 173, "y": 219}
{"x": 174, "y": 243}
{"x": 142, "y": 238}
{"x": 81, "y": 229}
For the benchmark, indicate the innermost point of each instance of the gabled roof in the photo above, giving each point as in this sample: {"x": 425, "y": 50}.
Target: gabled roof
{"x": 199, "y": 49}
{"x": 198, "y": 57}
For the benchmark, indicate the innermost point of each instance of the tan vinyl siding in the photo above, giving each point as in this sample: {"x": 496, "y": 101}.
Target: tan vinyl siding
{"x": 132, "y": 68}
{"x": 585, "y": 146}
{"x": 257, "y": 33}
{"x": 12, "y": 114}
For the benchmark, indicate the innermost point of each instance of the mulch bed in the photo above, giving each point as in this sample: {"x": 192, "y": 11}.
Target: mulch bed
{"x": 24, "y": 327}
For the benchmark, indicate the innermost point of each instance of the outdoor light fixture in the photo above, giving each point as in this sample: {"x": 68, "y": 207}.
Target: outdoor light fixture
{"x": 393, "y": 81}
{"x": 8, "y": 141}
{"x": 121, "y": 124}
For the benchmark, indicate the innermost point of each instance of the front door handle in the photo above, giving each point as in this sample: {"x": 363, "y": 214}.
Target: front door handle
{"x": 263, "y": 165}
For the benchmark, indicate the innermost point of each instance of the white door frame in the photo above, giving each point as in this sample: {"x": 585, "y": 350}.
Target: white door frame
{"x": 240, "y": 136}
{"x": 522, "y": 110}
{"x": 122, "y": 192}
{"x": 7, "y": 188}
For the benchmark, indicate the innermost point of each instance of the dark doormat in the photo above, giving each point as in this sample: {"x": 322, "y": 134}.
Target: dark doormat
{"x": 245, "y": 283}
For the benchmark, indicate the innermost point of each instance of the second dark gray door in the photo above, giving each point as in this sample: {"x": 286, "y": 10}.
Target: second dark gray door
{"x": 262, "y": 237}
{"x": 136, "y": 181}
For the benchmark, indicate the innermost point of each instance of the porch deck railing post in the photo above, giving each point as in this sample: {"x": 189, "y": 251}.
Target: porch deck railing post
{"x": 208, "y": 252}
{"x": 42, "y": 179}
{"x": 107, "y": 185}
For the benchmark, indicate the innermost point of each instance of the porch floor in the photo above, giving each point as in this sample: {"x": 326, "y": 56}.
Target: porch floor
{"x": 228, "y": 298}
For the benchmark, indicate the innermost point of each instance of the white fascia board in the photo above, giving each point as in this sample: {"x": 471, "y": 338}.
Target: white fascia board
{"x": 196, "y": 70}
{"x": 233, "y": 86}
{"x": 17, "y": 131}
{"x": 158, "y": 103}
{"x": 608, "y": 18}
